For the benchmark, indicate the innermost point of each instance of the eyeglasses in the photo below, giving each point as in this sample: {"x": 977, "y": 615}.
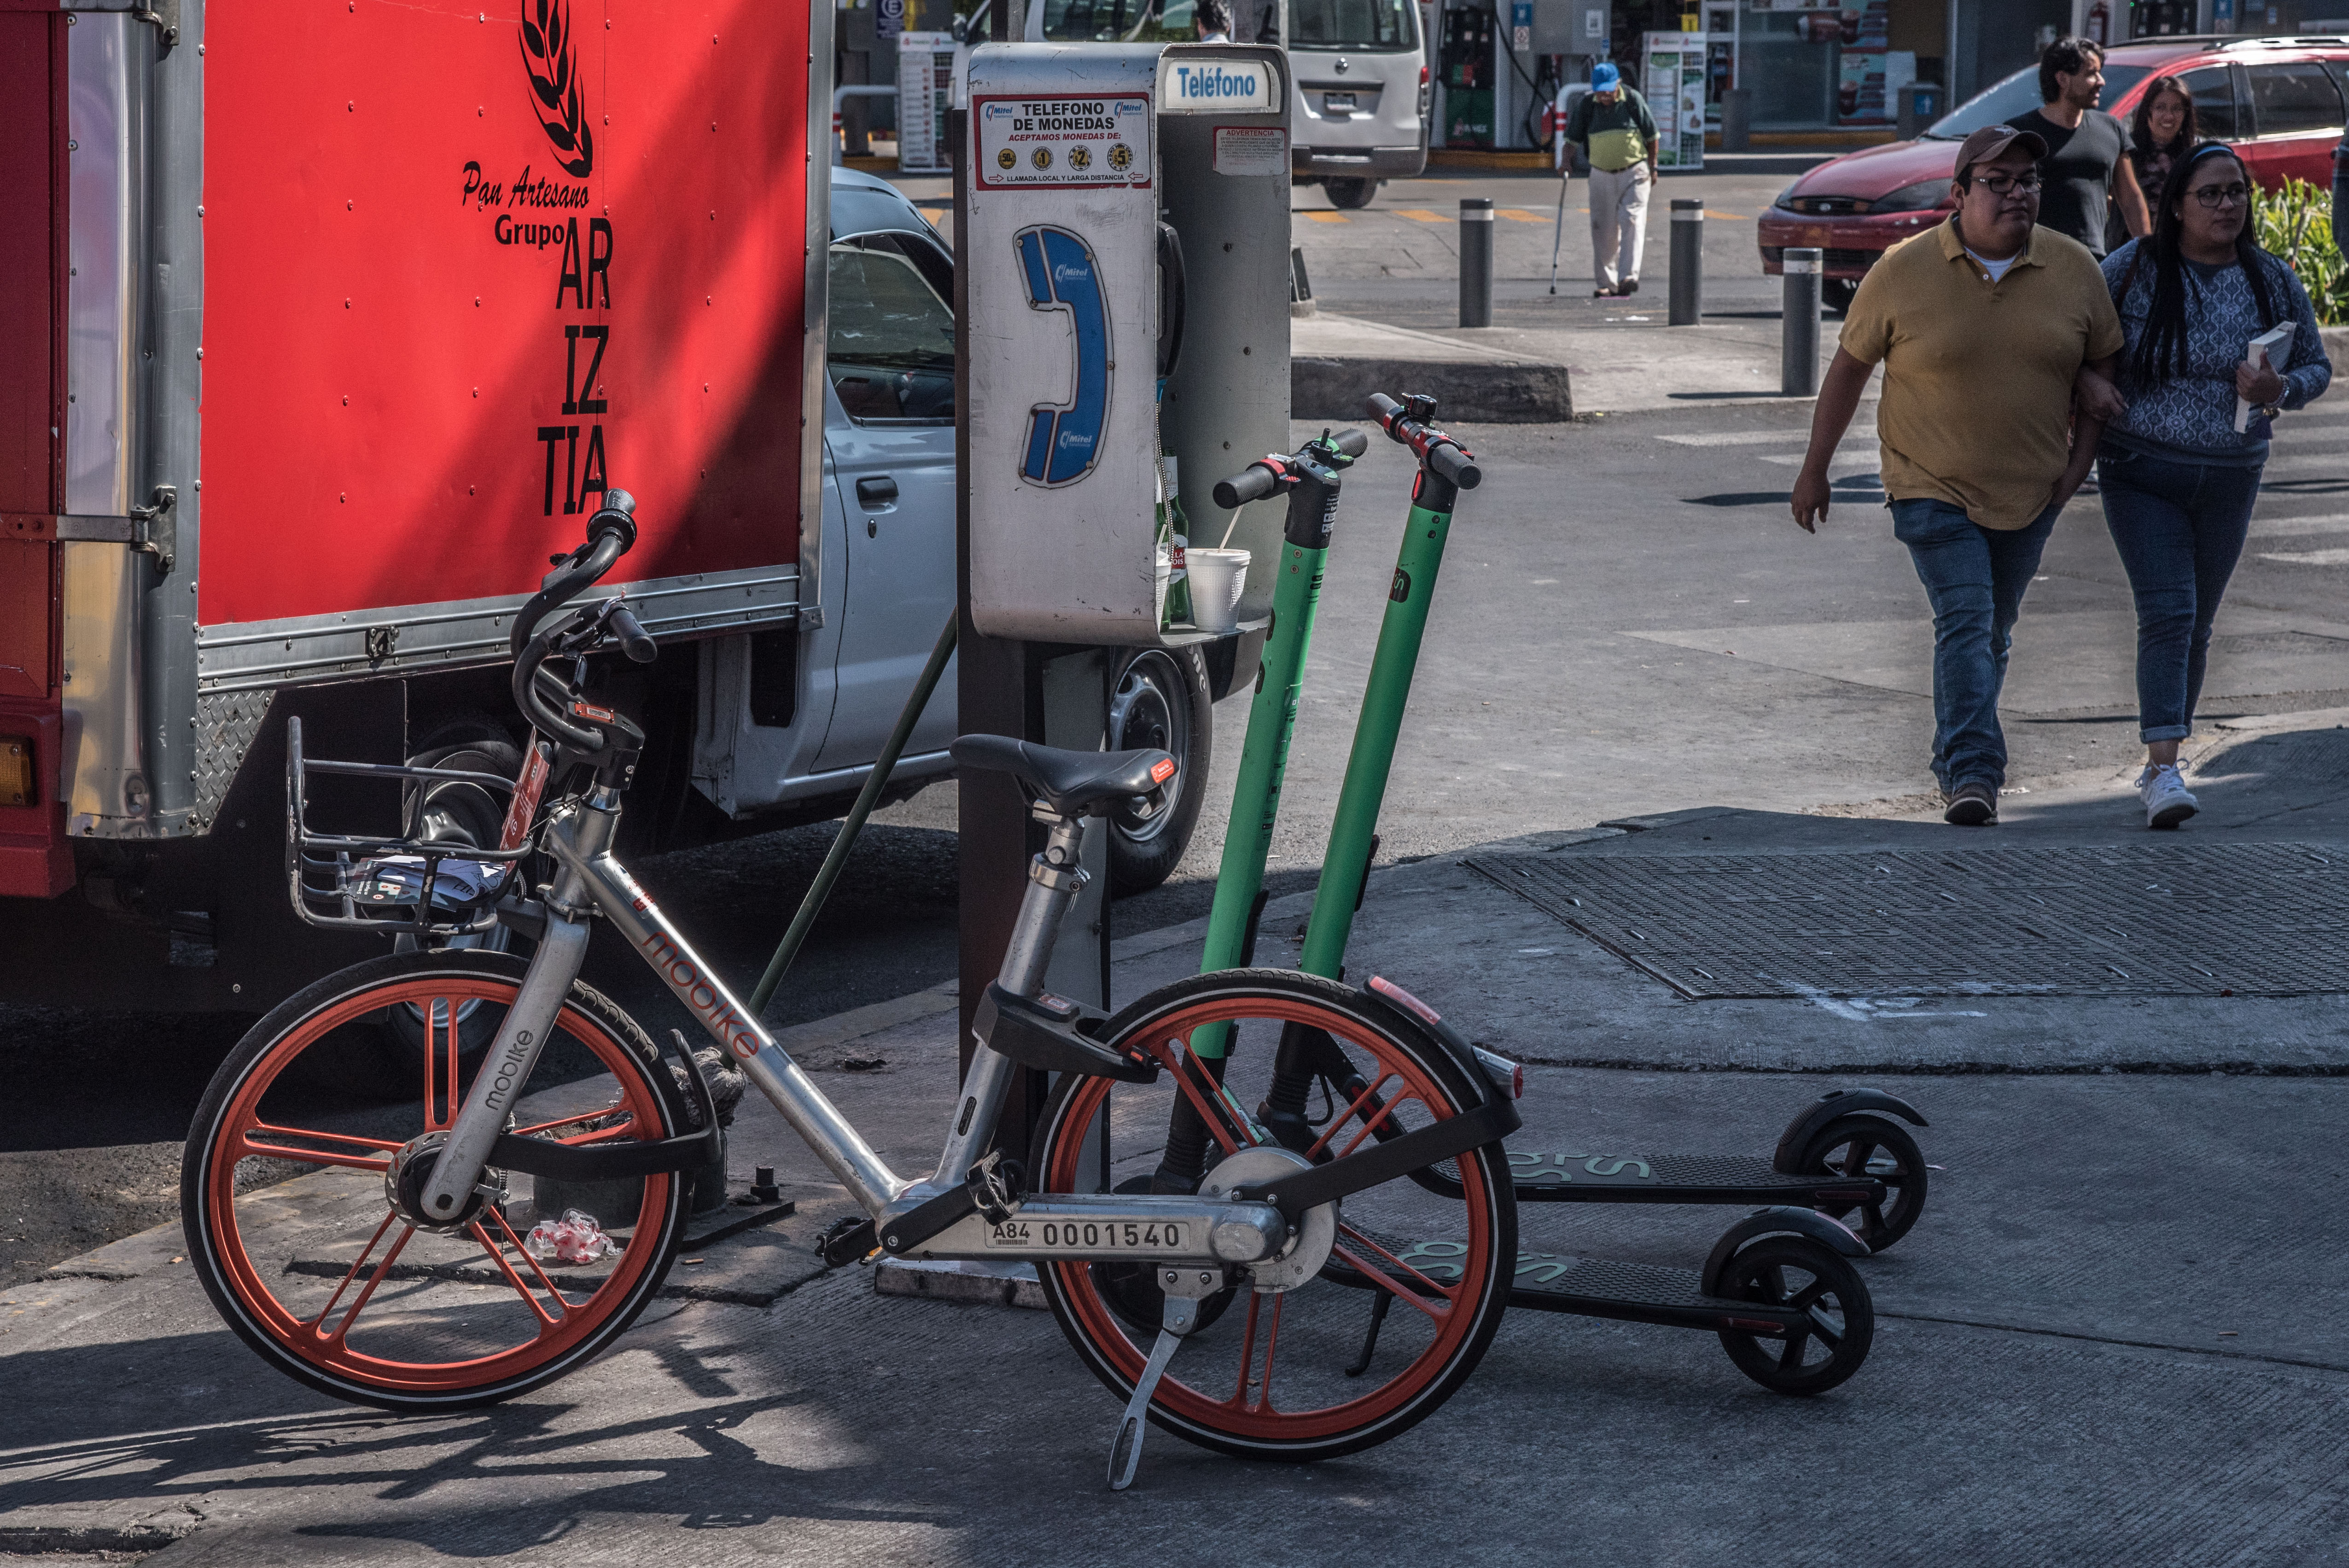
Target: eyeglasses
{"x": 2007, "y": 184}
{"x": 2214, "y": 197}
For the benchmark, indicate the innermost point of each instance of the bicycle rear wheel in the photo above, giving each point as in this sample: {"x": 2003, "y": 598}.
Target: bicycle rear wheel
{"x": 325, "y": 1279}
{"x": 1321, "y": 1369}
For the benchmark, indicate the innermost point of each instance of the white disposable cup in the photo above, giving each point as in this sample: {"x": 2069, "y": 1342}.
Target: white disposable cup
{"x": 1216, "y": 578}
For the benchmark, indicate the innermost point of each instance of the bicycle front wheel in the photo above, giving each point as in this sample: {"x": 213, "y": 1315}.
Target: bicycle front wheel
{"x": 284, "y": 1199}
{"x": 1415, "y": 1282}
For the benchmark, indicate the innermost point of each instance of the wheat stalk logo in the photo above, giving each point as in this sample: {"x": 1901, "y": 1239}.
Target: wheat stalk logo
{"x": 554, "y": 83}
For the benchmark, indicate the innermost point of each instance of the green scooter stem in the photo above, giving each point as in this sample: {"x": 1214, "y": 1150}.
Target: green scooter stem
{"x": 1346, "y": 866}
{"x": 1272, "y": 720}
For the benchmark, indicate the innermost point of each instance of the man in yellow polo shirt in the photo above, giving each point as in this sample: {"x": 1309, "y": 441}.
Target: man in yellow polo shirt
{"x": 1982, "y": 325}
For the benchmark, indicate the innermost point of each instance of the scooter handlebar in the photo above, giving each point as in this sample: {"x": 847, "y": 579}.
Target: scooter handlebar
{"x": 1453, "y": 464}
{"x": 1352, "y": 442}
{"x": 1252, "y": 482}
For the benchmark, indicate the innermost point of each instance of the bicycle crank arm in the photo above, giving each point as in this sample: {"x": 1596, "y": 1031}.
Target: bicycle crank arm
{"x": 1173, "y": 1232}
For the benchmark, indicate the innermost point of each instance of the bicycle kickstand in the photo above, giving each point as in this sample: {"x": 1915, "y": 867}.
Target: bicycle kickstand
{"x": 1180, "y": 1318}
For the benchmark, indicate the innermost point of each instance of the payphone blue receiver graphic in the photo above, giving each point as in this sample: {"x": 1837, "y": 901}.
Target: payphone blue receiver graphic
{"x": 1062, "y": 274}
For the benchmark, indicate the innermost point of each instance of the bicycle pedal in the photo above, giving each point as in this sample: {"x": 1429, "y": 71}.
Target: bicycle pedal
{"x": 846, "y": 1241}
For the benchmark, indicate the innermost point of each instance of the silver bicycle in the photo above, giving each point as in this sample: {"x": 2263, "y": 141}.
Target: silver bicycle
{"x": 407, "y": 1277}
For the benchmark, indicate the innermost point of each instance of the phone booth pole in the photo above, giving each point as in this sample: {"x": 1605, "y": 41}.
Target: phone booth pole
{"x": 1092, "y": 187}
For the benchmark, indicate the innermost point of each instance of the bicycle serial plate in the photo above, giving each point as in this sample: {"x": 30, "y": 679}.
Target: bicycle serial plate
{"x": 1125, "y": 1235}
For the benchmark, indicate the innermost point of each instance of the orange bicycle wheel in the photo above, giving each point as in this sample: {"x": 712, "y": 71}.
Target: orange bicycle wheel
{"x": 285, "y": 1194}
{"x": 1415, "y": 1282}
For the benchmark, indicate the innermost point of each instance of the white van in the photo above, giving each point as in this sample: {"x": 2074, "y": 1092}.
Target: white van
{"x": 1360, "y": 116}
{"x": 1359, "y": 66}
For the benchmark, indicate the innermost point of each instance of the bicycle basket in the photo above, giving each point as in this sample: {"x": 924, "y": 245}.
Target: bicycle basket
{"x": 394, "y": 884}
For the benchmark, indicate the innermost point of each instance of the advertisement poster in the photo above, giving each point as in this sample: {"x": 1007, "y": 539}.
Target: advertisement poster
{"x": 1672, "y": 81}
{"x": 924, "y": 83}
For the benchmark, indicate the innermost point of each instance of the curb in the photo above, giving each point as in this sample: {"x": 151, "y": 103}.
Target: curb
{"x": 1500, "y": 393}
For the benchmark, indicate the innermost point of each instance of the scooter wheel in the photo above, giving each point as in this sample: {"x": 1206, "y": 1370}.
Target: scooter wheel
{"x": 1872, "y": 1146}
{"x": 1798, "y": 1272}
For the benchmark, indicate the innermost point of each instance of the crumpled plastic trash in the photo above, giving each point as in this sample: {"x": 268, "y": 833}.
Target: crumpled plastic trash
{"x": 577, "y": 1238}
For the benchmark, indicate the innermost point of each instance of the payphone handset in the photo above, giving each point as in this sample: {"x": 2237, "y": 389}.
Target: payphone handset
{"x": 1061, "y": 274}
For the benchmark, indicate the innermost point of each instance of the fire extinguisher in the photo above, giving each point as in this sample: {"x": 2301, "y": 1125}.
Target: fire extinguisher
{"x": 2100, "y": 24}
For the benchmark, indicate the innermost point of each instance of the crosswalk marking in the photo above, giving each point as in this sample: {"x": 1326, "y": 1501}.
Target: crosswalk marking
{"x": 1328, "y": 217}
{"x": 1519, "y": 215}
{"x": 1422, "y": 214}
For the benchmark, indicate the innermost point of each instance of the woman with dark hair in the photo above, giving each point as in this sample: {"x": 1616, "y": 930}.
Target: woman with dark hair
{"x": 2160, "y": 131}
{"x": 2179, "y": 479}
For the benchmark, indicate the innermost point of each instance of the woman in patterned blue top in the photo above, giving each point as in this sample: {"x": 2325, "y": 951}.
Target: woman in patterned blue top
{"x": 2179, "y": 481}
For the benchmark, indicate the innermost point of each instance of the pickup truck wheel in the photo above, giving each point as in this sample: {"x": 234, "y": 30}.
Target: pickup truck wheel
{"x": 451, "y": 812}
{"x": 1351, "y": 194}
{"x": 1836, "y": 294}
{"x": 1160, "y": 698}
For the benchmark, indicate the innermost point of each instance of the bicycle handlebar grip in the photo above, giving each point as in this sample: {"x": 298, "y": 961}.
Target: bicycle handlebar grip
{"x": 1252, "y": 482}
{"x": 1351, "y": 442}
{"x": 1454, "y": 465}
{"x": 616, "y": 517}
{"x": 633, "y": 640}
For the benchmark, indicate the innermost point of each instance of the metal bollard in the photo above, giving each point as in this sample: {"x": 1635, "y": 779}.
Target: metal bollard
{"x": 1798, "y": 325}
{"x": 1476, "y": 261}
{"x": 1688, "y": 263}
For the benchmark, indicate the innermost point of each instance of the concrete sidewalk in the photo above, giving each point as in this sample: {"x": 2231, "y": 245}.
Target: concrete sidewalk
{"x": 2110, "y": 1339}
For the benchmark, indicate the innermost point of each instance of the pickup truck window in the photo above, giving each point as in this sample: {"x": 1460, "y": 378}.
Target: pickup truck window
{"x": 890, "y": 347}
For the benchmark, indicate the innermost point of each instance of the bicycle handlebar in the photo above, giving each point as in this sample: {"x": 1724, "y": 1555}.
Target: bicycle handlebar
{"x": 633, "y": 642}
{"x": 611, "y": 531}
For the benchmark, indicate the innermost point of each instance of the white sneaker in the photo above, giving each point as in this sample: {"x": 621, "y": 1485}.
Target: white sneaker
{"x": 2168, "y": 802}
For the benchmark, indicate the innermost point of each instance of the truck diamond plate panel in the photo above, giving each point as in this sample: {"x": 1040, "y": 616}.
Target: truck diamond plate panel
{"x": 2166, "y": 919}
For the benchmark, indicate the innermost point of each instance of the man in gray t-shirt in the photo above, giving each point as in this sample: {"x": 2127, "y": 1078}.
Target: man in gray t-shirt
{"x": 2084, "y": 148}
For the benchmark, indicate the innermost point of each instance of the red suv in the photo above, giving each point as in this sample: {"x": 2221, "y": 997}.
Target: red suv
{"x": 2278, "y": 100}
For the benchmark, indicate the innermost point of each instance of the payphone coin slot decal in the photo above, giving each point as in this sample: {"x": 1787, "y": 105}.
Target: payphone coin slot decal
{"x": 1061, "y": 274}
{"x": 1077, "y": 142}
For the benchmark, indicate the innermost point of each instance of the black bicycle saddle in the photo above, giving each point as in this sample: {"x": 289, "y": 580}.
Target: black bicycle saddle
{"x": 1069, "y": 781}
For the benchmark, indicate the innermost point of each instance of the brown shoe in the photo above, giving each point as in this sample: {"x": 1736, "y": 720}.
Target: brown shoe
{"x": 1972, "y": 805}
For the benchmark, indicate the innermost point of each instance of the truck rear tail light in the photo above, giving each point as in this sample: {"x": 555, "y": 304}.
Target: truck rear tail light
{"x": 16, "y": 772}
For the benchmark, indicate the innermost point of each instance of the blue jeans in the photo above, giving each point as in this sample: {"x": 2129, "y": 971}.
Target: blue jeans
{"x": 2179, "y": 528}
{"x": 1974, "y": 578}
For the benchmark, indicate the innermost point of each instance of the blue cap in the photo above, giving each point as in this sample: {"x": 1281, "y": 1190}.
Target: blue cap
{"x": 1605, "y": 78}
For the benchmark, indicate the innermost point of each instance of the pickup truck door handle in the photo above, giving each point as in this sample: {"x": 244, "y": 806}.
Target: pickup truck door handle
{"x": 877, "y": 492}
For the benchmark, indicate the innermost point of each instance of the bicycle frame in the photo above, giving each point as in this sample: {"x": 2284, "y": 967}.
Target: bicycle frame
{"x": 1178, "y": 1231}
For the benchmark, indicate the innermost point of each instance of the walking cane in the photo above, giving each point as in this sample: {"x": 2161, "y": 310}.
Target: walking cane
{"x": 1558, "y": 234}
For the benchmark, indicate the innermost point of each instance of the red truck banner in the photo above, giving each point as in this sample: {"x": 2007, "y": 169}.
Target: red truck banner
{"x": 465, "y": 268}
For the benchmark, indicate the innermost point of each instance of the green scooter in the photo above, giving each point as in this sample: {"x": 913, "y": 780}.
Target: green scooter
{"x": 1791, "y": 1312}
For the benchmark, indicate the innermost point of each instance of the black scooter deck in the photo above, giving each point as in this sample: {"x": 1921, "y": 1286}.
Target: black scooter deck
{"x": 1594, "y": 1287}
{"x": 1569, "y": 1176}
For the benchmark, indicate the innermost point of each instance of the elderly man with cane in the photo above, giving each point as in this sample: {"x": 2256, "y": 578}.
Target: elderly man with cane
{"x": 1618, "y": 134}
{"x": 1982, "y": 325}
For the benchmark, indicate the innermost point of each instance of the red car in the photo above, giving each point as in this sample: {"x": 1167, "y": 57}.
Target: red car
{"x": 2278, "y": 100}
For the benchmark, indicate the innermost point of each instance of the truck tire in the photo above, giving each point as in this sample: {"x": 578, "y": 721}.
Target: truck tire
{"x": 1159, "y": 699}
{"x": 1836, "y": 294}
{"x": 1349, "y": 193}
{"x": 460, "y": 814}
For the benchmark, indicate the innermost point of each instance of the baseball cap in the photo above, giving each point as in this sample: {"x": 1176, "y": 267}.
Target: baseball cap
{"x": 1605, "y": 78}
{"x": 1992, "y": 139}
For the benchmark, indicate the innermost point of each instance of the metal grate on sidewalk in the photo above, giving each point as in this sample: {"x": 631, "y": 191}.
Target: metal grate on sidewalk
{"x": 2167, "y": 919}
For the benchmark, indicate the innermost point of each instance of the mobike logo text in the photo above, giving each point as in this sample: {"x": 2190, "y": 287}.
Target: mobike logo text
{"x": 696, "y": 990}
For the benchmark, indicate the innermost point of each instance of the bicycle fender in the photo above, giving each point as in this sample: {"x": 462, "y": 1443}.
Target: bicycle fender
{"x": 1777, "y": 1221}
{"x": 1835, "y": 1102}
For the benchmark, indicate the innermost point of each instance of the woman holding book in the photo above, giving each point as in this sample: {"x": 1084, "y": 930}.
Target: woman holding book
{"x": 2177, "y": 469}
